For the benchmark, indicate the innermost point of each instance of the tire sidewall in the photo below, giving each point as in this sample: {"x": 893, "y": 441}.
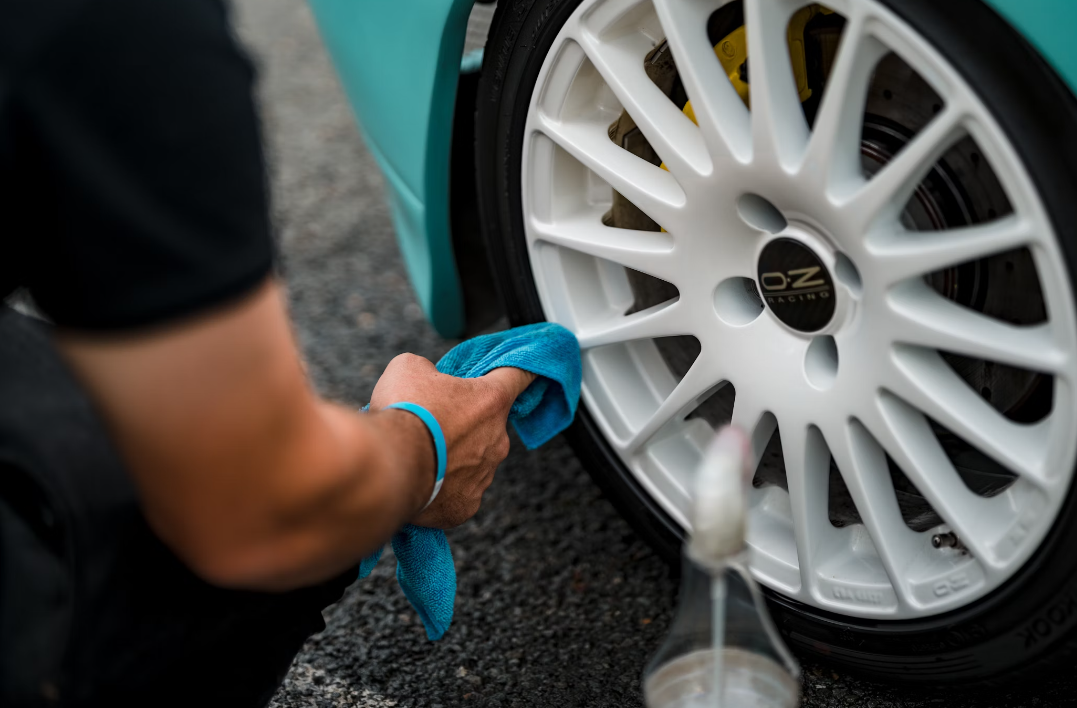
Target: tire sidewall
{"x": 1012, "y": 632}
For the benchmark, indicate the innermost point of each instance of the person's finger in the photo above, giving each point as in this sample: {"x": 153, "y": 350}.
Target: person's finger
{"x": 511, "y": 380}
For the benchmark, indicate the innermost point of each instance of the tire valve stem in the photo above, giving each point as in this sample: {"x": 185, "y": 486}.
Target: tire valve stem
{"x": 945, "y": 540}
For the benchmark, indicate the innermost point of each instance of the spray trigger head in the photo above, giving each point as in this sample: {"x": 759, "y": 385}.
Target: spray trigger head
{"x": 720, "y": 508}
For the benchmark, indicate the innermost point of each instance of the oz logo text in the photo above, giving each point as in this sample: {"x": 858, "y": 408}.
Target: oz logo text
{"x": 796, "y": 279}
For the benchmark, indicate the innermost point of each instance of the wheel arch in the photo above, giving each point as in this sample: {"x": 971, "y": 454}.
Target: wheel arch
{"x": 399, "y": 65}
{"x": 1048, "y": 26}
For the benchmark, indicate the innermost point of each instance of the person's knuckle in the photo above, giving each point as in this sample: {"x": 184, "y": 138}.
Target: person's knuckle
{"x": 400, "y": 361}
{"x": 411, "y": 361}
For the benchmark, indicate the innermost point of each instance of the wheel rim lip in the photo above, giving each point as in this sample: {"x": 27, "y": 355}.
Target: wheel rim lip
{"x": 592, "y": 394}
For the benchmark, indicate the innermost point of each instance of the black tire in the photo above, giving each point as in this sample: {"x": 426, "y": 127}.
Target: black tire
{"x": 1022, "y": 629}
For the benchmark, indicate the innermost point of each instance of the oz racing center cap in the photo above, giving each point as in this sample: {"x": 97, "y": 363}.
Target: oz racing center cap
{"x": 796, "y": 285}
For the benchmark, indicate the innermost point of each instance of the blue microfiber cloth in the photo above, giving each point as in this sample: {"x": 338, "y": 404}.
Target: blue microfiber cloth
{"x": 425, "y": 567}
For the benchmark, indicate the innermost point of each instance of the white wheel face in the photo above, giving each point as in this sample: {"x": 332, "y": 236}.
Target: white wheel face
{"x": 863, "y": 388}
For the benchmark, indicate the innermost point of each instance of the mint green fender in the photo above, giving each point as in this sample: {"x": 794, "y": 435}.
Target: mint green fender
{"x": 399, "y": 62}
{"x": 1050, "y": 26}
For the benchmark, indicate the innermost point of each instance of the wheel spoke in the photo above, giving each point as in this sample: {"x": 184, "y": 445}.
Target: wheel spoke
{"x": 908, "y": 438}
{"x": 654, "y": 190}
{"x": 924, "y": 318}
{"x": 669, "y": 131}
{"x": 910, "y": 254}
{"x": 882, "y": 199}
{"x": 779, "y": 130}
{"x": 721, "y": 115}
{"x": 834, "y": 150}
{"x": 1007, "y": 166}
{"x": 928, "y": 384}
{"x": 863, "y": 467}
{"x": 666, "y": 319}
{"x": 646, "y": 251}
{"x": 807, "y": 469}
{"x": 685, "y": 397}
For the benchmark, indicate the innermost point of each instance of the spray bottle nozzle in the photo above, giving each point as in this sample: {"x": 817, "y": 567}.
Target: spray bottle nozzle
{"x": 719, "y": 511}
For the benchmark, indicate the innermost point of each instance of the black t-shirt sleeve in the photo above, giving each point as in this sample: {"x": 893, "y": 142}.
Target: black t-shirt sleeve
{"x": 141, "y": 179}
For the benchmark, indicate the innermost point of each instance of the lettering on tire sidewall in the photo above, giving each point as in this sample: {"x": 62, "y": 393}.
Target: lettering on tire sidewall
{"x": 1050, "y": 623}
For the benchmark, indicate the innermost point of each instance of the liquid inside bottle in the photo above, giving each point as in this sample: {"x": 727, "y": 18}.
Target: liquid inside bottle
{"x": 750, "y": 680}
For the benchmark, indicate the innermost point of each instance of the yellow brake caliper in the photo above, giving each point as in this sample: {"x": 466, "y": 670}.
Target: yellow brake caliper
{"x": 732, "y": 52}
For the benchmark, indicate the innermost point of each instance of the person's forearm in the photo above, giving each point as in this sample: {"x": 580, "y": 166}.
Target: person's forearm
{"x": 380, "y": 474}
{"x": 242, "y": 470}
{"x": 346, "y": 485}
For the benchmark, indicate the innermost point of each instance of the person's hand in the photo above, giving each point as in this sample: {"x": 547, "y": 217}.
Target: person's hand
{"x": 472, "y": 413}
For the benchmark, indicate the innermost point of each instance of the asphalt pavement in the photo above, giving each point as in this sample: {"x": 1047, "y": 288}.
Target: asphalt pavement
{"x": 559, "y": 603}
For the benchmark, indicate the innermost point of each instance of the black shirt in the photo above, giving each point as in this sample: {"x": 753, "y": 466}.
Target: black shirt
{"x": 132, "y": 185}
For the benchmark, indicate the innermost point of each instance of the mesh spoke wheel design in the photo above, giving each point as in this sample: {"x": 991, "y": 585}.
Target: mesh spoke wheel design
{"x": 871, "y": 400}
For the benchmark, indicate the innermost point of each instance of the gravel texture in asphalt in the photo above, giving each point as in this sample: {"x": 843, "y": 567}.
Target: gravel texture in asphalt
{"x": 559, "y": 603}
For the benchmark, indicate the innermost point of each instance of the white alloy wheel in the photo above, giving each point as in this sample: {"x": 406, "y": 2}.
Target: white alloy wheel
{"x": 746, "y": 189}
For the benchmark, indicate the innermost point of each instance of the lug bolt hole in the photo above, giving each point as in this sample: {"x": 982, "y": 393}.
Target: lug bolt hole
{"x": 847, "y": 273}
{"x": 737, "y": 301}
{"x": 760, "y": 214}
{"x": 821, "y": 362}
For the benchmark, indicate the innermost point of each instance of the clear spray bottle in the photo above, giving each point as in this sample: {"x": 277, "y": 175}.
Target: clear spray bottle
{"x": 723, "y": 650}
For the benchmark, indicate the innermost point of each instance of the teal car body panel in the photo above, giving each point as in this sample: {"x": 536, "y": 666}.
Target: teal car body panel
{"x": 1050, "y": 26}
{"x": 399, "y": 62}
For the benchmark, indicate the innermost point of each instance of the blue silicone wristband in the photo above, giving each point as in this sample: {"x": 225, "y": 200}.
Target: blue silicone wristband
{"x": 434, "y": 427}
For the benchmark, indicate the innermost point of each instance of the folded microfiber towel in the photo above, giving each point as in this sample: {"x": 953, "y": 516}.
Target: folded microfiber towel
{"x": 425, "y": 567}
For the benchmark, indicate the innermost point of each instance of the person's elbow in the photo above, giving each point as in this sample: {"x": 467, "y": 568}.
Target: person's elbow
{"x": 238, "y": 568}
{"x": 226, "y": 553}
{"x": 281, "y": 539}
